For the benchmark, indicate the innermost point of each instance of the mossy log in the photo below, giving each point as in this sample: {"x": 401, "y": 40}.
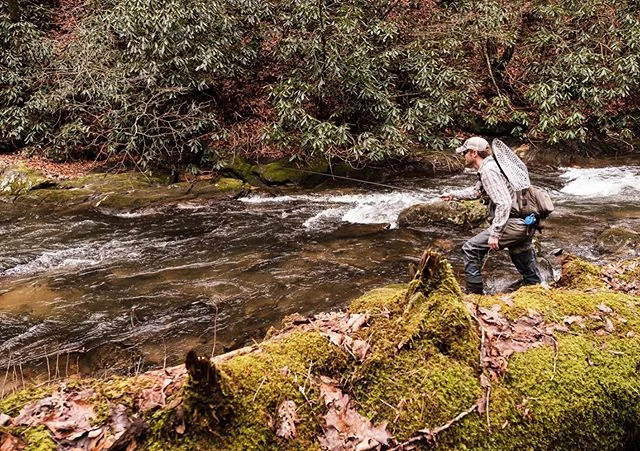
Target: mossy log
{"x": 415, "y": 364}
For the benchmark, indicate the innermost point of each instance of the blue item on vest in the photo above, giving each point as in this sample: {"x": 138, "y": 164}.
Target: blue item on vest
{"x": 530, "y": 220}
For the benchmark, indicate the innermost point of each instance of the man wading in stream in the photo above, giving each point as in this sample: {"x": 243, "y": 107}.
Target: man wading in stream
{"x": 507, "y": 229}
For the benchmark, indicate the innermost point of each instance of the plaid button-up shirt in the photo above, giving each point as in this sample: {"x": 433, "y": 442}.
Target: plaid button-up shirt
{"x": 497, "y": 187}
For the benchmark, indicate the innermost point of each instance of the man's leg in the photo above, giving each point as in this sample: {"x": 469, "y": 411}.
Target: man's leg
{"x": 522, "y": 254}
{"x": 474, "y": 252}
{"x": 524, "y": 259}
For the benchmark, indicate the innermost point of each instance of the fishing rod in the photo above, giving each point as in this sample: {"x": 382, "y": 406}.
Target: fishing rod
{"x": 360, "y": 181}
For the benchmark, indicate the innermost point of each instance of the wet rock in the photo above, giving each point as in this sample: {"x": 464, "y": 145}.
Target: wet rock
{"x": 122, "y": 191}
{"x": 19, "y": 179}
{"x": 618, "y": 239}
{"x": 285, "y": 171}
{"x": 453, "y": 214}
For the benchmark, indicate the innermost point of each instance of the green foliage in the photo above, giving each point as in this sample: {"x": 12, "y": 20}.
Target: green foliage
{"x": 171, "y": 83}
{"x": 23, "y": 53}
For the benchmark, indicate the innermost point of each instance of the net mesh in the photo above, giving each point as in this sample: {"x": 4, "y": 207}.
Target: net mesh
{"x": 511, "y": 165}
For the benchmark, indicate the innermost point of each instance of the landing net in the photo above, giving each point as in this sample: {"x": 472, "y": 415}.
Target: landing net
{"x": 512, "y": 166}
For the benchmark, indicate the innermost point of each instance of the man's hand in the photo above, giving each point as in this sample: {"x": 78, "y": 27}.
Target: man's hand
{"x": 493, "y": 243}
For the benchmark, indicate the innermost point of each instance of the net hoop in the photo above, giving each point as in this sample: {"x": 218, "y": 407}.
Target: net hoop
{"x": 512, "y": 166}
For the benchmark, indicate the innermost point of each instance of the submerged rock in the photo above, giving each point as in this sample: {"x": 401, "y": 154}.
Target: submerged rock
{"x": 618, "y": 239}
{"x": 410, "y": 364}
{"x": 464, "y": 214}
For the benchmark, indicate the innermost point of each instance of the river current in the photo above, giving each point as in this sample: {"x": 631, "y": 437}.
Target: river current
{"x": 102, "y": 293}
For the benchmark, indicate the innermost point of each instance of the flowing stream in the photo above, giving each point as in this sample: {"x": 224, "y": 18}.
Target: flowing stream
{"x": 101, "y": 293}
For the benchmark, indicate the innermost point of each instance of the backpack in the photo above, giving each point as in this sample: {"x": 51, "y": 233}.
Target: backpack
{"x": 534, "y": 200}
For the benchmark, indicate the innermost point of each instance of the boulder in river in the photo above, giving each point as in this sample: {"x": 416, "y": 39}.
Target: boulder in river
{"x": 19, "y": 179}
{"x": 617, "y": 240}
{"x": 117, "y": 191}
{"x": 406, "y": 365}
{"x": 465, "y": 214}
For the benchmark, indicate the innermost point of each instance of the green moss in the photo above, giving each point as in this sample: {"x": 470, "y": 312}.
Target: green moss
{"x": 12, "y": 404}
{"x": 243, "y": 169}
{"x": 590, "y": 402}
{"x": 281, "y": 172}
{"x": 558, "y": 304}
{"x": 38, "y": 439}
{"x": 423, "y": 364}
{"x": 259, "y": 382}
{"x": 418, "y": 388}
{"x": 224, "y": 184}
{"x": 20, "y": 179}
{"x": 254, "y": 385}
{"x": 379, "y": 300}
{"x": 457, "y": 214}
{"x": 579, "y": 274}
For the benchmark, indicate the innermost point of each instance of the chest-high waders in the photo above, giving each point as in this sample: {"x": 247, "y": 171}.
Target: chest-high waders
{"x": 516, "y": 237}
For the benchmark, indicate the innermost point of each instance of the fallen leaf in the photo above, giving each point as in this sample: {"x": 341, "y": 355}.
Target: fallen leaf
{"x": 4, "y": 419}
{"x": 379, "y": 433}
{"x": 9, "y": 442}
{"x": 608, "y": 326}
{"x": 287, "y": 419}
{"x": 573, "y": 319}
{"x": 330, "y": 393}
{"x": 604, "y": 308}
{"x": 360, "y": 348}
{"x": 334, "y": 337}
{"x": 357, "y": 321}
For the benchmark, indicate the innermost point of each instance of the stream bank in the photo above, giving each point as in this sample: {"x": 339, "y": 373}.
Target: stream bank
{"x": 405, "y": 365}
{"x": 103, "y": 291}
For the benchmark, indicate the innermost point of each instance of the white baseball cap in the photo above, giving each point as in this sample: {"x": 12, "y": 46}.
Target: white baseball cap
{"x": 474, "y": 143}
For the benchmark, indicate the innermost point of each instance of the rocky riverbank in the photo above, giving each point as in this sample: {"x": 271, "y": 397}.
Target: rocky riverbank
{"x": 409, "y": 364}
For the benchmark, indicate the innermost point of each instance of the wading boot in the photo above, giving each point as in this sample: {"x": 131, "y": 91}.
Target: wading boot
{"x": 475, "y": 287}
{"x": 525, "y": 263}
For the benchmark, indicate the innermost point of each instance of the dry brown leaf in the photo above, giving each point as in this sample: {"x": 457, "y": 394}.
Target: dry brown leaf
{"x": 4, "y": 419}
{"x": 334, "y": 337}
{"x": 608, "y": 326}
{"x": 287, "y": 419}
{"x": 360, "y": 348}
{"x": 64, "y": 414}
{"x": 573, "y": 319}
{"x": 151, "y": 398}
{"x": 329, "y": 393}
{"x": 484, "y": 381}
{"x": 357, "y": 322}
{"x": 9, "y": 442}
{"x": 604, "y": 308}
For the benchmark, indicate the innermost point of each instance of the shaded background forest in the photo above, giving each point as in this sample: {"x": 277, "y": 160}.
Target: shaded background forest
{"x": 173, "y": 83}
